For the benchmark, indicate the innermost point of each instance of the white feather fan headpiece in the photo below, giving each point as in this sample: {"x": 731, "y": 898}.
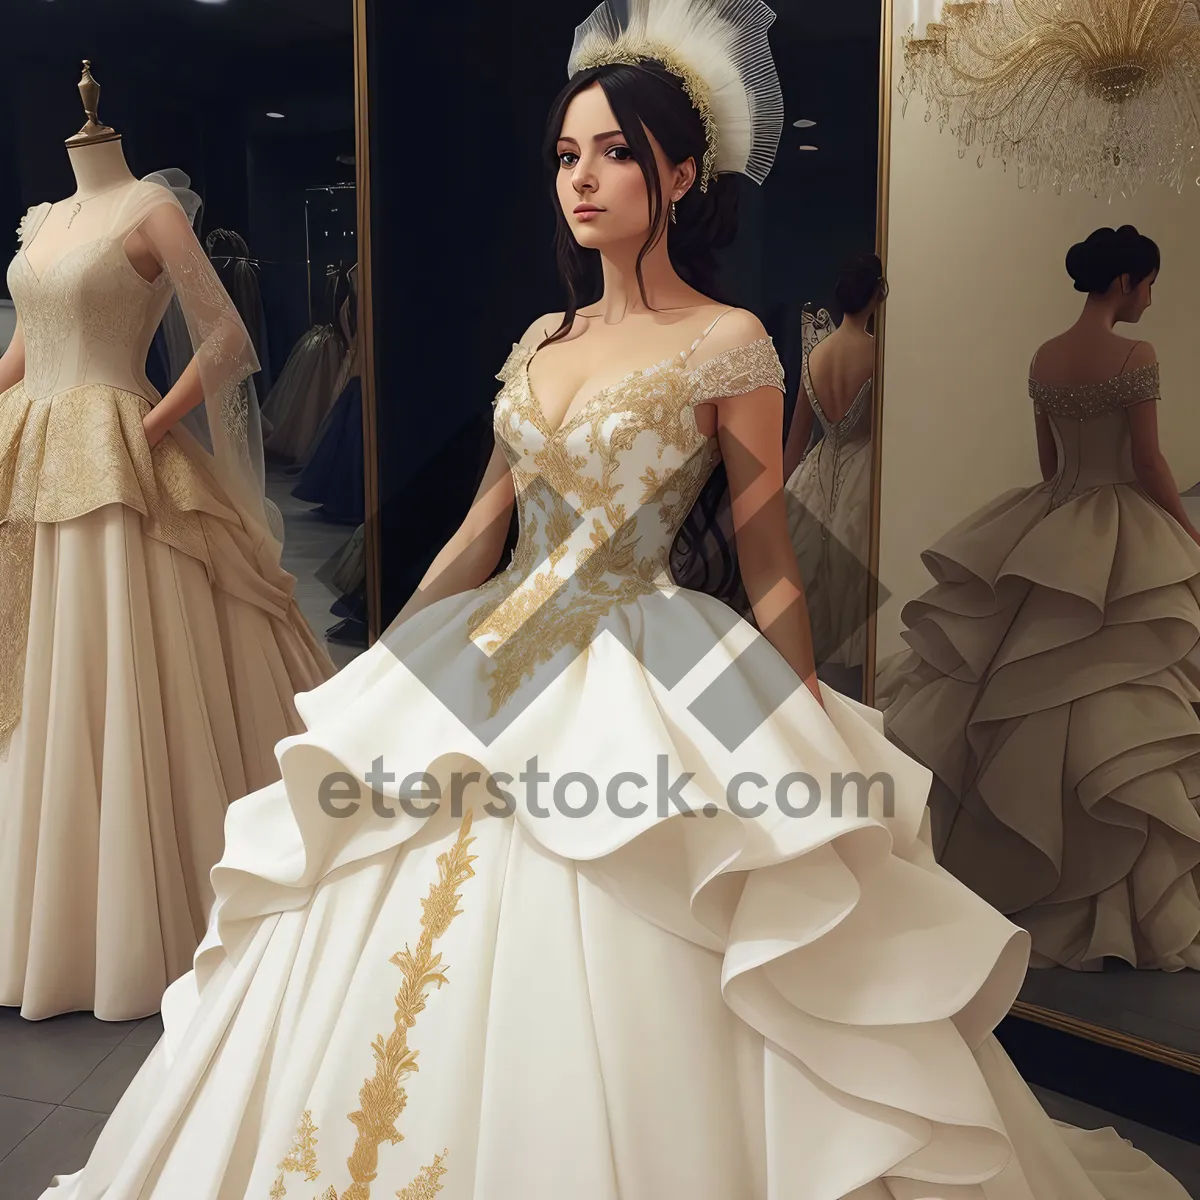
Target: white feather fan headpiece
{"x": 719, "y": 51}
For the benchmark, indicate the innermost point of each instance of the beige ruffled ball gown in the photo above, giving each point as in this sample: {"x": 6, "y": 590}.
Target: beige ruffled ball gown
{"x": 829, "y": 519}
{"x": 557, "y": 998}
{"x": 150, "y": 645}
{"x": 1049, "y": 687}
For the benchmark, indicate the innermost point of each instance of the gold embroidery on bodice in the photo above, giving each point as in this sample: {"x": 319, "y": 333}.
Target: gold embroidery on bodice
{"x": 71, "y": 434}
{"x": 599, "y": 501}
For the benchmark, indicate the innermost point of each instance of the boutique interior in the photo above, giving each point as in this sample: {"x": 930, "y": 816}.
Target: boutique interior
{"x": 342, "y": 217}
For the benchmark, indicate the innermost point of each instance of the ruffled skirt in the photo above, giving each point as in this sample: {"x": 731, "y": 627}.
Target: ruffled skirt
{"x": 1049, "y": 688}
{"x": 832, "y": 549}
{"x": 495, "y": 1000}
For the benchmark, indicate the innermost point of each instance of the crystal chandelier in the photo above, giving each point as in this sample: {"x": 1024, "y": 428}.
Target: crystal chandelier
{"x": 1096, "y": 95}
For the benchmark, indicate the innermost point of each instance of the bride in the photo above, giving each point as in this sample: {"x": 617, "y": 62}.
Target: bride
{"x": 604, "y": 999}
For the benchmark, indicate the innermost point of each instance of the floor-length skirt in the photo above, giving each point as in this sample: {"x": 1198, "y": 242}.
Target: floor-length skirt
{"x": 151, "y": 701}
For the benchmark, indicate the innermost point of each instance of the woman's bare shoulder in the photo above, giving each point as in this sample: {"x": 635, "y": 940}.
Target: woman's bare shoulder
{"x": 541, "y": 329}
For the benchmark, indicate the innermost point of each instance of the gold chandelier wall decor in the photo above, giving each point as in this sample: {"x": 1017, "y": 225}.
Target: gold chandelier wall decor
{"x": 1096, "y": 95}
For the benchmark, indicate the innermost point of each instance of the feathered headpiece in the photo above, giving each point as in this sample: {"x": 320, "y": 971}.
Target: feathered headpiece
{"x": 718, "y": 49}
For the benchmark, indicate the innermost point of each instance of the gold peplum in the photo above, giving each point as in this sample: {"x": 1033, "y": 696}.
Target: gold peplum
{"x": 69, "y": 455}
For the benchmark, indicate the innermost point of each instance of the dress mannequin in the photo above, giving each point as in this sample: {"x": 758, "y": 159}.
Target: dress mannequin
{"x": 101, "y": 177}
{"x": 150, "y": 642}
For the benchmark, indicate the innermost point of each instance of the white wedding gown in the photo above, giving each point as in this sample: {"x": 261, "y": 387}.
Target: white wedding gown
{"x": 607, "y": 1007}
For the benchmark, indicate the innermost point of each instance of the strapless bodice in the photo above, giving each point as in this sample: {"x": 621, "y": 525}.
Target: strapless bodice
{"x": 1091, "y": 428}
{"x": 89, "y": 318}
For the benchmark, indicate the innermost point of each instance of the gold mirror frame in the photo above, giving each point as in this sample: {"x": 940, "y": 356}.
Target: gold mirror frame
{"x": 1062, "y": 1022}
{"x": 1050, "y": 1018}
{"x": 366, "y": 320}
{"x": 883, "y": 197}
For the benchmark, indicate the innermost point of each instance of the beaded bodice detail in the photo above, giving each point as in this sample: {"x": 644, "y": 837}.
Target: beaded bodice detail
{"x": 839, "y": 438}
{"x": 599, "y": 500}
{"x": 88, "y": 318}
{"x": 1091, "y": 429}
{"x": 1096, "y": 399}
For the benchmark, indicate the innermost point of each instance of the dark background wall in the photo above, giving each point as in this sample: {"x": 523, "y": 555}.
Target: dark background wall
{"x": 189, "y": 85}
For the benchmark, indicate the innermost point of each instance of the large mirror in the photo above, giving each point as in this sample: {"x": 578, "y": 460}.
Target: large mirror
{"x": 248, "y": 111}
{"x": 457, "y": 297}
{"x": 1036, "y": 645}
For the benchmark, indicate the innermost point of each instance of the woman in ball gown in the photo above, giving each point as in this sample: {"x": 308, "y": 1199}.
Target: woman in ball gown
{"x": 1049, "y": 685}
{"x": 829, "y": 488}
{"x": 150, "y": 644}
{"x": 604, "y": 999}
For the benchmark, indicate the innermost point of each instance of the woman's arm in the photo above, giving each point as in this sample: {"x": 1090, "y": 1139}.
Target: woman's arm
{"x": 798, "y": 434}
{"x": 750, "y": 430}
{"x": 165, "y": 241}
{"x": 186, "y": 394}
{"x": 468, "y": 559}
{"x": 12, "y": 361}
{"x": 1047, "y": 447}
{"x": 1150, "y": 465}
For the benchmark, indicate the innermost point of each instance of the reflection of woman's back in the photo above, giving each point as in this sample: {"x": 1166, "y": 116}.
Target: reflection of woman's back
{"x": 829, "y": 491}
{"x": 1048, "y": 685}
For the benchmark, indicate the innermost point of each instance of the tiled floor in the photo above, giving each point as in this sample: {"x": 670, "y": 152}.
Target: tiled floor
{"x": 59, "y": 1080}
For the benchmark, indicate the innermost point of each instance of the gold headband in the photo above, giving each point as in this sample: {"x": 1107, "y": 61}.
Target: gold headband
{"x": 631, "y": 52}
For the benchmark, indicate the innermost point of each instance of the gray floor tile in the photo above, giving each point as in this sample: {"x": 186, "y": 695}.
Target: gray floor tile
{"x": 101, "y": 1090}
{"x": 58, "y": 1146}
{"x": 18, "y": 1119}
{"x": 47, "y": 1060}
{"x": 69, "y": 1027}
{"x": 146, "y": 1034}
{"x": 48, "y": 1065}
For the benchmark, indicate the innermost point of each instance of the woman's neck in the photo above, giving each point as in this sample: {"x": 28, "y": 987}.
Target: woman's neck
{"x": 1099, "y": 314}
{"x": 623, "y": 294}
{"x": 99, "y": 168}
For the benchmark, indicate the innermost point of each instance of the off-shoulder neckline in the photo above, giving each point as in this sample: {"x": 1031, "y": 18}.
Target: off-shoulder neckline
{"x": 1150, "y": 370}
{"x": 681, "y": 361}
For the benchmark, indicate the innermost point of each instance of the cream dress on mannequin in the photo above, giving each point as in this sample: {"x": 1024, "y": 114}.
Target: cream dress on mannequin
{"x": 602, "y": 1007}
{"x": 150, "y": 646}
{"x": 1050, "y": 689}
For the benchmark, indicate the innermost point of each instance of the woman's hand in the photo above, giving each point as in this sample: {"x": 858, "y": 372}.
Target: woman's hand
{"x": 154, "y": 427}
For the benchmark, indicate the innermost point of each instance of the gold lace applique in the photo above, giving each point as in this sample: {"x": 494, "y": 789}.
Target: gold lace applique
{"x": 531, "y": 611}
{"x": 63, "y": 458}
{"x": 383, "y": 1097}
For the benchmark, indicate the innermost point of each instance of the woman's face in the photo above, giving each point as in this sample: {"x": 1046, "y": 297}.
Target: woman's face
{"x": 600, "y": 186}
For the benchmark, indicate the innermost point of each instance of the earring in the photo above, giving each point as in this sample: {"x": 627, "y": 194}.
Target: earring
{"x": 674, "y": 219}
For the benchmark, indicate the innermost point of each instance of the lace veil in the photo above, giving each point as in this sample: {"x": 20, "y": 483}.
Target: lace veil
{"x": 226, "y": 428}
